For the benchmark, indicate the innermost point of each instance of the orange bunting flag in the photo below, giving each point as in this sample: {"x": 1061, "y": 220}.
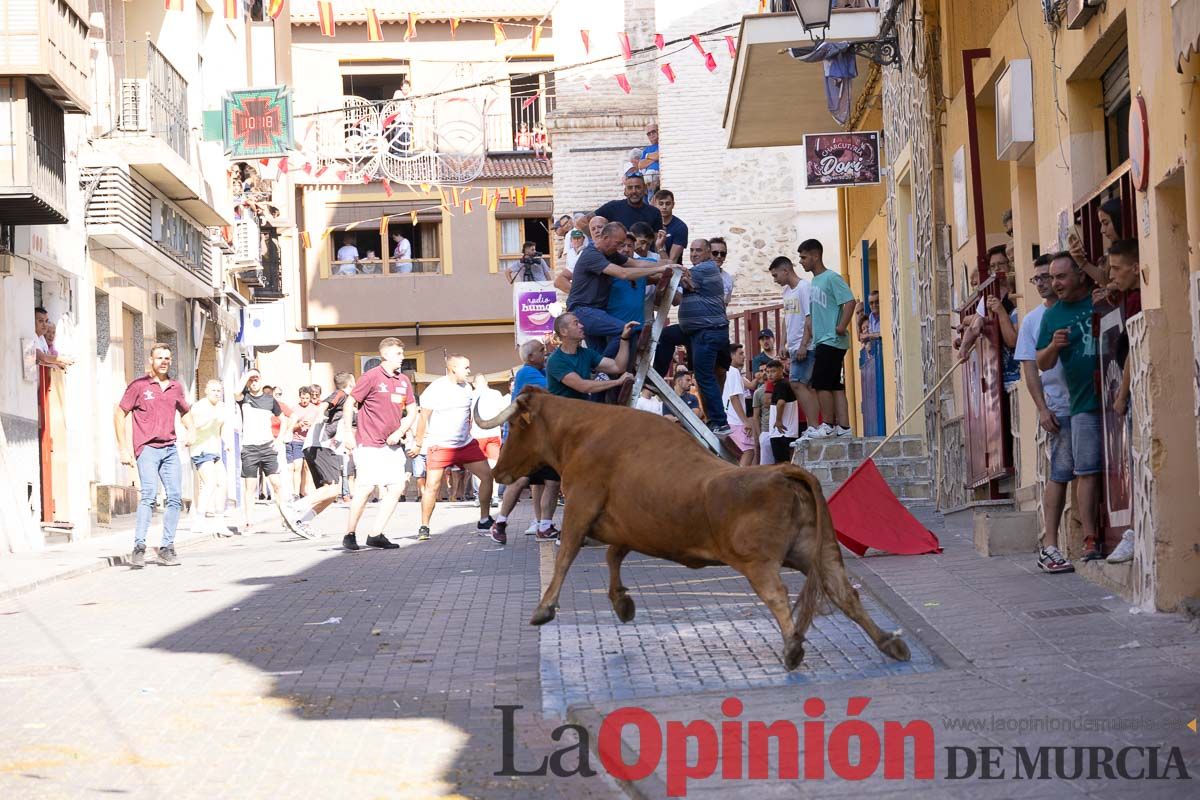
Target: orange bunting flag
{"x": 454, "y": 23}
{"x": 710, "y": 62}
{"x": 411, "y": 31}
{"x": 274, "y": 8}
{"x": 670, "y": 73}
{"x": 231, "y": 9}
{"x": 537, "y": 37}
{"x": 494, "y": 200}
{"x": 762, "y": 6}
{"x": 325, "y": 14}
{"x": 466, "y": 206}
{"x": 413, "y": 216}
{"x": 383, "y": 224}
{"x": 173, "y": 5}
{"x": 457, "y": 200}
{"x": 587, "y": 44}
{"x": 623, "y": 38}
{"x": 264, "y": 161}
{"x": 306, "y": 240}
{"x": 498, "y": 33}
{"x": 623, "y": 82}
{"x": 659, "y": 41}
{"x": 374, "y": 29}
{"x": 508, "y": 194}
{"x": 528, "y": 101}
{"x": 732, "y": 46}
{"x": 696, "y": 41}
{"x": 521, "y": 193}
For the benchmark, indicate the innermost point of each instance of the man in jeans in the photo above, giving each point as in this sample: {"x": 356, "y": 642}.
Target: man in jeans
{"x": 1065, "y": 338}
{"x": 153, "y": 400}
{"x": 1049, "y": 392}
{"x": 702, "y": 319}
{"x": 832, "y": 308}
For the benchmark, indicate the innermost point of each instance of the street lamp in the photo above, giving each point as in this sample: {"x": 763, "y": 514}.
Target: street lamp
{"x": 813, "y": 14}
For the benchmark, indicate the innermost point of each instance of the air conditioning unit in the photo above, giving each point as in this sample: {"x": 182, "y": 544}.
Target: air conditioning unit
{"x": 6, "y": 264}
{"x": 135, "y": 105}
{"x": 1080, "y": 11}
{"x": 1014, "y": 111}
{"x": 246, "y": 242}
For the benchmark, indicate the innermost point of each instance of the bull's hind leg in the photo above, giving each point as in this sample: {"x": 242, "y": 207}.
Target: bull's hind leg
{"x": 846, "y": 598}
{"x": 768, "y": 585}
{"x": 618, "y": 595}
{"x": 577, "y": 523}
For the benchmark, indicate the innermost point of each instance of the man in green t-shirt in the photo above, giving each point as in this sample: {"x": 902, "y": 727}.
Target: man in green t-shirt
{"x": 1066, "y": 337}
{"x": 569, "y": 369}
{"x": 831, "y": 307}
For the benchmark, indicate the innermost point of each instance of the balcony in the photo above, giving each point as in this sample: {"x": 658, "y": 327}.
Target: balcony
{"x": 152, "y": 134}
{"x": 775, "y": 99}
{"x": 46, "y": 42}
{"x": 32, "y": 156}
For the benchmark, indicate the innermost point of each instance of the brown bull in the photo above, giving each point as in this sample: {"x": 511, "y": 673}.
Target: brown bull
{"x": 637, "y": 482}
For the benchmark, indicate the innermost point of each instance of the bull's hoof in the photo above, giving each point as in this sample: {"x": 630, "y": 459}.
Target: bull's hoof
{"x": 542, "y": 615}
{"x": 625, "y": 608}
{"x": 793, "y": 654}
{"x": 896, "y": 648}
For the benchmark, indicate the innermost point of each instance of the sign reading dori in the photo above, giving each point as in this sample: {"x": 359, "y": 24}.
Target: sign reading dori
{"x": 841, "y": 159}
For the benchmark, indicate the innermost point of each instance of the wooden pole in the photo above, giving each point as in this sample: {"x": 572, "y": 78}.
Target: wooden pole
{"x": 918, "y": 407}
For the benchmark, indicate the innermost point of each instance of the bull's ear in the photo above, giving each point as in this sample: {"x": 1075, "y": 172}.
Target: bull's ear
{"x": 526, "y": 417}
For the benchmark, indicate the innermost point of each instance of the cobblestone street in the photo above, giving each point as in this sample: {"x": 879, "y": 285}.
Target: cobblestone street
{"x": 268, "y": 666}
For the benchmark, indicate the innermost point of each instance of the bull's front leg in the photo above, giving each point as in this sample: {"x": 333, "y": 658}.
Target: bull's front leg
{"x": 618, "y": 595}
{"x": 577, "y": 523}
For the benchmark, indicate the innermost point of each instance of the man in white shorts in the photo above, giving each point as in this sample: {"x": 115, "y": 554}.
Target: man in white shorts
{"x": 387, "y": 408}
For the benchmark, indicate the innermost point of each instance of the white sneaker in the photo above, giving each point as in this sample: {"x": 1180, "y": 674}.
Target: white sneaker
{"x": 840, "y": 431}
{"x": 532, "y": 529}
{"x": 1124, "y": 551}
{"x": 821, "y": 431}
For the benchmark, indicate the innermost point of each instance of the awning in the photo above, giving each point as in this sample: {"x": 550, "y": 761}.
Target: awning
{"x": 775, "y": 99}
{"x": 1185, "y": 27}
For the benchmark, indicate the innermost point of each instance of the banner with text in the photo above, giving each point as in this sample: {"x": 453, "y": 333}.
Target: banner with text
{"x": 841, "y": 159}
{"x": 531, "y": 309}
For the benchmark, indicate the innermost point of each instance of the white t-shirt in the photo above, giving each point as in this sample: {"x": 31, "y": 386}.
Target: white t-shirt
{"x": 207, "y": 420}
{"x": 727, "y": 283}
{"x": 490, "y": 403}
{"x": 402, "y": 256}
{"x": 347, "y": 252}
{"x": 795, "y": 310}
{"x": 572, "y": 255}
{"x": 651, "y": 404}
{"x": 450, "y": 402}
{"x": 735, "y": 392}
{"x": 791, "y": 421}
{"x": 1054, "y": 384}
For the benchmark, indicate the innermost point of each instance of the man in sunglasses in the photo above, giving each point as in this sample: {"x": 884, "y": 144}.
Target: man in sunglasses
{"x": 720, "y": 252}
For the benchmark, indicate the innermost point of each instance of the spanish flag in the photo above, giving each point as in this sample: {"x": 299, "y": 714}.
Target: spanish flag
{"x": 411, "y": 31}
{"x": 374, "y": 29}
{"x": 498, "y": 33}
{"x": 274, "y": 8}
{"x": 325, "y": 12}
{"x": 537, "y": 37}
{"x": 457, "y": 200}
{"x": 173, "y": 5}
{"x": 623, "y": 38}
{"x": 306, "y": 240}
{"x": 231, "y": 9}
{"x": 494, "y": 199}
{"x": 387, "y": 188}
{"x": 383, "y": 228}
{"x": 466, "y": 206}
{"x": 454, "y": 23}
{"x": 521, "y": 193}
{"x": 413, "y": 216}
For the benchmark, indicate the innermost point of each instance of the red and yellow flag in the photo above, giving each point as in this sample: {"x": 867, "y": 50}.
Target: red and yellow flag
{"x": 173, "y": 5}
{"x": 498, "y": 33}
{"x": 283, "y": 166}
{"x": 413, "y": 216}
{"x": 383, "y": 226}
{"x": 457, "y": 199}
{"x": 623, "y": 82}
{"x": 696, "y": 41}
{"x": 306, "y": 240}
{"x": 587, "y": 44}
{"x": 374, "y": 29}
{"x": 521, "y": 193}
{"x": 467, "y": 206}
{"x": 411, "y": 31}
{"x": 659, "y": 41}
{"x": 454, "y": 23}
{"x": 670, "y": 73}
{"x": 623, "y": 38}
{"x": 321, "y": 170}
{"x": 274, "y": 8}
{"x": 387, "y": 188}
{"x": 710, "y": 62}
{"x": 494, "y": 199}
{"x": 732, "y": 46}
{"x": 537, "y": 37}
{"x": 231, "y": 7}
{"x": 325, "y": 13}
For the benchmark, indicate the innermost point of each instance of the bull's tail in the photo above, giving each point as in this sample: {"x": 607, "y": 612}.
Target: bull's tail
{"x": 814, "y": 595}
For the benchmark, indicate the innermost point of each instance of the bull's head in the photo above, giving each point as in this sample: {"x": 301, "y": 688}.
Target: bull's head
{"x": 523, "y": 450}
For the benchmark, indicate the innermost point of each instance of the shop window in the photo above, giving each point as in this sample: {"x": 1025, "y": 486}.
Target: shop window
{"x": 1115, "y": 84}
{"x": 366, "y": 252}
{"x": 513, "y": 233}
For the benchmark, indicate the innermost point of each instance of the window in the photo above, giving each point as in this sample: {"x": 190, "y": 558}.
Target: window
{"x": 373, "y": 80}
{"x": 1115, "y": 83}
{"x": 407, "y": 249}
{"x": 521, "y": 126}
{"x": 513, "y": 233}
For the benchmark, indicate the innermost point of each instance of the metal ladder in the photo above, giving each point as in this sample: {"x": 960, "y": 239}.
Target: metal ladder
{"x": 646, "y": 377}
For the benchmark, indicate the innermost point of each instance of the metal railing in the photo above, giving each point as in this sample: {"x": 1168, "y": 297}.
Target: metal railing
{"x": 518, "y": 128}
{"x": 786, "y": 6}
{"x": 151, "y": 96}
{"x": 46, "y": 141}
{"x": 380, "y": 269}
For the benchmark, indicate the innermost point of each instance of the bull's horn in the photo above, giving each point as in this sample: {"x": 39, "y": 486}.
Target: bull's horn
{"x": 498, "y": 420}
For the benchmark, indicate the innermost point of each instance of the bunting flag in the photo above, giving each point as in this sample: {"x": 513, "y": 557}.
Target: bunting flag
{"x": 521, "y": 194}
{"x": 411, "y": 31}
{"x": 283, "y": 166}
{"x": 366, "y": 179}
{"x": 670, "y": 73}
{"x": 732, "y": 46}
{"x": 454, "y": 23}
{"x": 508, "y": 195}
{"x": 173, "y": 5}
{"x": 340, "y": 175}
{"x": 325, "y": 235}
{"x": 587, "y": 44}
{"x": 467, "y": 206}
{"x": 623, "y": 82}
{"x": 659, "y": 41}
{"x": 587, "y": 87}
{"x": 494, "y": 200}
{"x": 413, "y": 216}
{"x": 306, "y": 240}
{"x": 457, "y": 199}
{"x": 325, "y": 13}
{"x": 710, "y": 62}
{"x": 528, "y": 101}
{"x": 321, "y": 170}
{"x": 264, "y": 161}
{"x": 537, "y": 37}
{"x": 762, "y": 6}
{"x": 274, "y": 8}
{"x": 307, "y": 168}
{"x": 623, "y": 38}
{"x": 374, "y": 29}
{"x": 699, "y": 46}
{"x": 383, "y": 227}
{"x": 231, "y": 7}
{"x": 425, "y": 188}
{"x": 387, "y": 188}
{"x": 498, "y": 33}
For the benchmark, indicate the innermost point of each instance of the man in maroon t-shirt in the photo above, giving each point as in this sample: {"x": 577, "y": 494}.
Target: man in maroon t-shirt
{"x": 387, "y": 408}
{"x": 153, "y": 400}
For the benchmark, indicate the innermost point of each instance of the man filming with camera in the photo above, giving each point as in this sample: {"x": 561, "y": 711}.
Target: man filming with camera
{"x": 531, "y": 267}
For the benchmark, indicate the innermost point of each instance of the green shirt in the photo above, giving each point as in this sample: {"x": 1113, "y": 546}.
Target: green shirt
{"x": 582, "y": 362}
{"x": 1079, "y": 358}
{"x": 829, "y": 293}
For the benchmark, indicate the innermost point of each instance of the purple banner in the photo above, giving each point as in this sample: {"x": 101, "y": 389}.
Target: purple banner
{"x": 531, "y": 309}
{"x": 841, "y": 159}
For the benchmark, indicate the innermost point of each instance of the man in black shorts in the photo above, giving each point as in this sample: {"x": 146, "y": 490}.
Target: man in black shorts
{"x": 324, "y": 458}
{"x": 260, "y": 446}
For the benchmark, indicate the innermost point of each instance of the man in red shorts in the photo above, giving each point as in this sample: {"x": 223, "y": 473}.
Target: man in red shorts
{"x": 444, "y": 436}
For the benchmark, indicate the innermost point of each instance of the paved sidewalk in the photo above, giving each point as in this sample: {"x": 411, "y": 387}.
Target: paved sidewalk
{"x": 1041, "y": 653}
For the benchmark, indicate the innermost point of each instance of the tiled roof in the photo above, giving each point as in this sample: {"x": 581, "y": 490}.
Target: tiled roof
{"x": 304, "y": 12}
{"x": 519, "y": 166}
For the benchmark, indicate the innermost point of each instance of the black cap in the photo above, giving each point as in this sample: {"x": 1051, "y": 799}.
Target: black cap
{"x": 765, "y": 332}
